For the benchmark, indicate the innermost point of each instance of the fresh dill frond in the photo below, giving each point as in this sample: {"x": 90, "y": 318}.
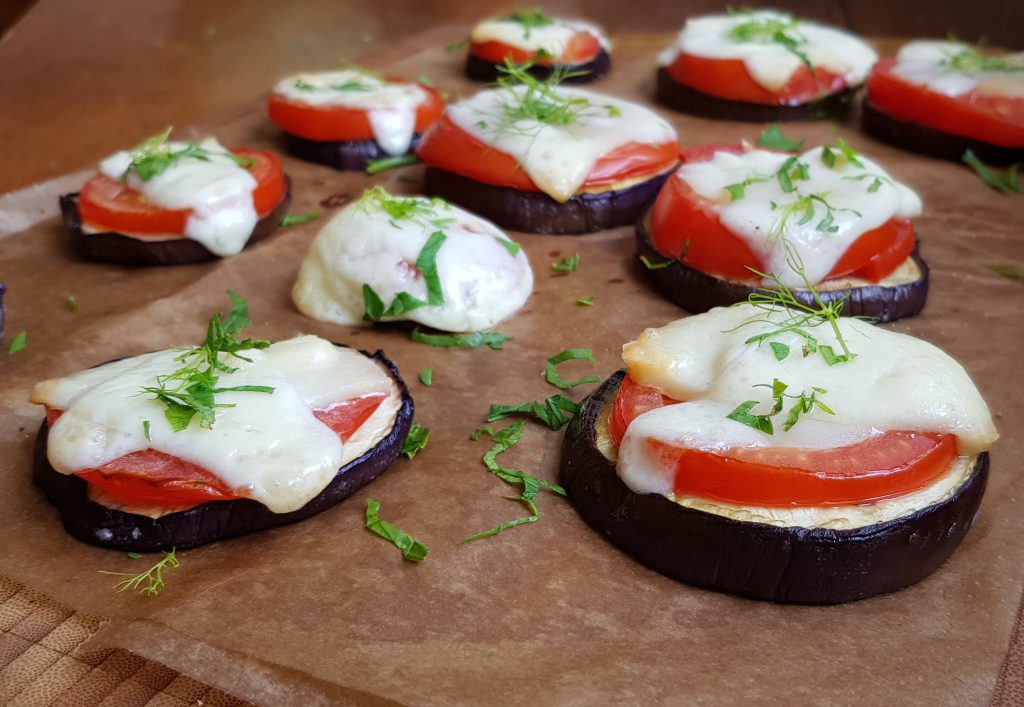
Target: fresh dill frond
{"x": 770, "y": 29}
{"x": 149, "y": 582}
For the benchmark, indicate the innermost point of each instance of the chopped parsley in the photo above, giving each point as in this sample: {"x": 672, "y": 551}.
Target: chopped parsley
{"x": 804, "y": 403}
{"x": 412, "y": 549}
{"x": 491, "y": 339}
{"x": 529, "y": 20}
{"x": 551, "y": 370}
{"x": 296, "y": 219}
{"x": 404, "y": 302}
{"x": 773, "y": 29}
{"x": 416, "y": 440}
{"x": 1008, "y": 181}
{"x": 567, "y": 264}
{"x": 155, "y": 155}
{"x": 773, "y": 139}
{"x": 554, "y": 411}
{"x": 18, "y": 343}
{"x": 512, "y": 247}
{"x": 586, "y": 301}
{"x": 427, "y": 377}
{"x": 71, "y": 303}
{"x": 1006, "y": 270}
{"x": 654, "y": 266}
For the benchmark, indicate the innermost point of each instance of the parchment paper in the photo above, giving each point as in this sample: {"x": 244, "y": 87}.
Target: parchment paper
{"x": 324, "y": 611}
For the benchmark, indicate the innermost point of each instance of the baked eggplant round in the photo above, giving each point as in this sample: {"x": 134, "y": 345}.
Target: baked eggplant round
{"x": 696, "y": 291}
{"x": 96, "y": 524}
{"x": 344, "y": 155}
{"x": 917, "y": 137}
{"x": 757, "y": 560}
{"x": 689, "y": 100}
{"x": 536, "y": 212}
{"x": 112, "y": 247}
{"x": 482, "y": 70}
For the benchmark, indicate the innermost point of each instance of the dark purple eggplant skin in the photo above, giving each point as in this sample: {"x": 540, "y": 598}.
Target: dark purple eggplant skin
{"x": 757, "y": 560}
{"x": 112, "y": 247}
{"x": 98, "y": 525}
{"x": 536, "y": 212}
{"x": 696, "y": 291}
{"x": 834, "y": 106}
{"x": 917, "y": 137}
{"x": 482, "y": 70}
{"x": 343, "y": 155}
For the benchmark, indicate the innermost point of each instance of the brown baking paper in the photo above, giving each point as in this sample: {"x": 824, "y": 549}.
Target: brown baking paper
{"x": 545, "y": 613}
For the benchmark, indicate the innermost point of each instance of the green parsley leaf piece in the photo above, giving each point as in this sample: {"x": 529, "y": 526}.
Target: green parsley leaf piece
{"x": 303, "y": 85}
{"x": 530, "y": 19}
{"x": 512, "y": 247}
{"x": 1010, "y": 272}
{"x": 568, "y": 264}
{"x": 133, "y": 555}
{"x": 742, "y": 414}
{"x": 554, "y": 411}
{"x": 457, "y": 46}
{"x": 412, "y": 549}
{"x": 773, "y": 139}
{"x": 416, "y": 439}
{"x": 551, "y": 372}
{"x": 383, "y": 164}
{"x": 149, "y": 582}
{"x": 296, "y": 219}
{"x": 780, "y": 350}
{"x": 71, "y": 303}
{"x": 585, "y": 301}
{"x": 475, "y": 434}
{"x": 1008, "y": 181}
{"x": 427, "y": 377}
{"x": 654, "y": 266}
{"x": 373, "y": 305}
{"x": 491, "y": 339}
{"x": 18, "y": 343}
{"x": 147, "y": 429}
{"x": 426, "y": 263}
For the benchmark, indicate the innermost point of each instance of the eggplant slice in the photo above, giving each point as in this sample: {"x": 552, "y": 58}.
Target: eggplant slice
{"x": 96, "y": 524}
{"x": 917, "y": 137}
{"x": 536, "y": 212}
{"x": 757, "y": 560}
{"x": 112, "y": 247}
{"x": 344, "y": 155}
{"x": 675, "y": 95}
{"x": 696, "y": 291}
{"x": 482, "y": 70}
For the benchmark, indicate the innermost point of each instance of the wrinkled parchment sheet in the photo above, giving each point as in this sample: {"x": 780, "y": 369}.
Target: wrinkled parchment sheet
{"x": 324, "y": 611}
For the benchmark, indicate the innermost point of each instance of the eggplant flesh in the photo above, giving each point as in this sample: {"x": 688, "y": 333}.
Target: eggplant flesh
{"x": 344, "y": 155}
{"x": 696, "y": 291}
{"x": 918, "y": 137}
{"x": 536, "y": 212}
{"x": 96, "y": 524}
{"x": 690, "y": 100}
{"x": 483, "y": 70}
{"x": 113, "y": 247}
{"x": 758, "y": 560}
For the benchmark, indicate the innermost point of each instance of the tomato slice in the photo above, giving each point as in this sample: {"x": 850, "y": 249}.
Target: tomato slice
{"x": 998, "y": 120}
{"x": 449, "y": 147}
{"x": 632, "y": 401}
{"x": 336, "y": 123}
{"x": 682, "y": 220}
{"x": 580, "y": 49}
{"x": 729, "y": 79}
{"x": 110, "y": 205}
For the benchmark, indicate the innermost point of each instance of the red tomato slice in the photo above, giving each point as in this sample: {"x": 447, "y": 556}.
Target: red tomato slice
{"x": 994, "y": 119}
{"x": 729, "y": 79}
{"x": 335, "y": 123}
{"x": 580, "y": 49}
{"x": 452, "y": 149}
{"x": 632, "y": 401}
{"x": 108, "y": 204}
{"x": 683, "y": 220}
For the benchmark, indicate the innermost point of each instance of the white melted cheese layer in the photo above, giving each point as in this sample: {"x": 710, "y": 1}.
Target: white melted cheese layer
{"x": 483, "y": 283}
{"x": 559, "y": 158}
{"x": 218, "y": 191}
{"x": 764, "y": 228}
{"x": 771, "y": 64}
{"x": 926, "y": 63}
{"x": 268, "y": 447}
{"x": 553, "y": 38}
{"x": 390, "y": 106}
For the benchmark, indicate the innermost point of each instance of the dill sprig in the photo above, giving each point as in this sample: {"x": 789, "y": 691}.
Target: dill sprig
{"x": 189, "y": 391}
{"x": 154, "y": 155}
{"x": 418, "y": 209}
{"x": 769, "y": 29}
{"x": 971, "y": 61}
{"x": 149, "y": 582}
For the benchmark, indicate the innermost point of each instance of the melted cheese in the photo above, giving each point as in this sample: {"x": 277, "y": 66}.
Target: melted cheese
{"x": 269, "y": 447}
{"x": 927, "y": 63}
{"x": 552, "y": 39}
{"x": 764, "y": 228}
{"x": 390, "y": 106}
{"x": 771, "y": 64}
{"x": 482, "y": 282}
{"x": 217, "y": 191}
{"x": 559, "y": 158}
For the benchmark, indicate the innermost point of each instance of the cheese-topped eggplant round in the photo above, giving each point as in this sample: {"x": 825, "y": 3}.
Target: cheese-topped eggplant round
{"x": 547, "y": 44}
{"x": 943, "y": 98}
{"x": 539, "y": 157}
{"x": 388, "y": 257}
{"x": 762, "y": 65}
{"x": 174, "y": 202}
{"x": 737, "y": 453}
{"x": 345, "y": 118}
{"x": 830, "y": 218}
{"x": 148, "y": 452}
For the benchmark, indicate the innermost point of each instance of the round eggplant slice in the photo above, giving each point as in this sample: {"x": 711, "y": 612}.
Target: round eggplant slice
{"x": 96, "y": 524}
{"x": 757, "y": 560}
{"x": 344, "y": 155}
{"x": 696, "y": 291}
{"x": 536, "y": 212}
{"x": 689, "y": 100}
{"x": 917, "y": 137}
{"x": 482, "y": 70}
{"x": 112, "y": 247}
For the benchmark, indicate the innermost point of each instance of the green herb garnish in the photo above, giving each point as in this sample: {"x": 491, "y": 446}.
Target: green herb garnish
{"x": 1008, "y": 181}
{"x": 1006, "y": 270}
{"x": 412, "y": 550}
{"x": 539, "y": 101}
{"x": 147, "y": 429}
{"x": 774, "y": 30}
{"x": 71, "y": 303}
{"x": 417, "y": 209}
{"x": 296, "y": 219}
{"x": 149, "y": 582}
{"x": 155, "y": 155}
{"x": 971, "y": 61}
{"x": 554, "y": 411}
{"x": 654, "y": 266}
{"x": 512, "y": 247}
{"x": 416, "y": 439}
{"x": 551, "y": 371}
{"x": 586, "y": 301}
{"x": 457, "y": 46}
{"x": 804, "y": 403}
{"x": 568, "y": 264}
{"x": 383, "y": 164}
{"x": 491, "y": 339}
{"x": 773, "y": 139}
{"x": 529, "y": 20}
{"x": 303, "y": 85}
{"x": 426, "y": 264}
{"x": 133, "y": 555}
{"x": 476, "y": 434}
{"x": 190, "y": 390}
{"x": 427, "y": 377}
{"x": 18, "y": 343}
{"x": 839, "y": 152}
